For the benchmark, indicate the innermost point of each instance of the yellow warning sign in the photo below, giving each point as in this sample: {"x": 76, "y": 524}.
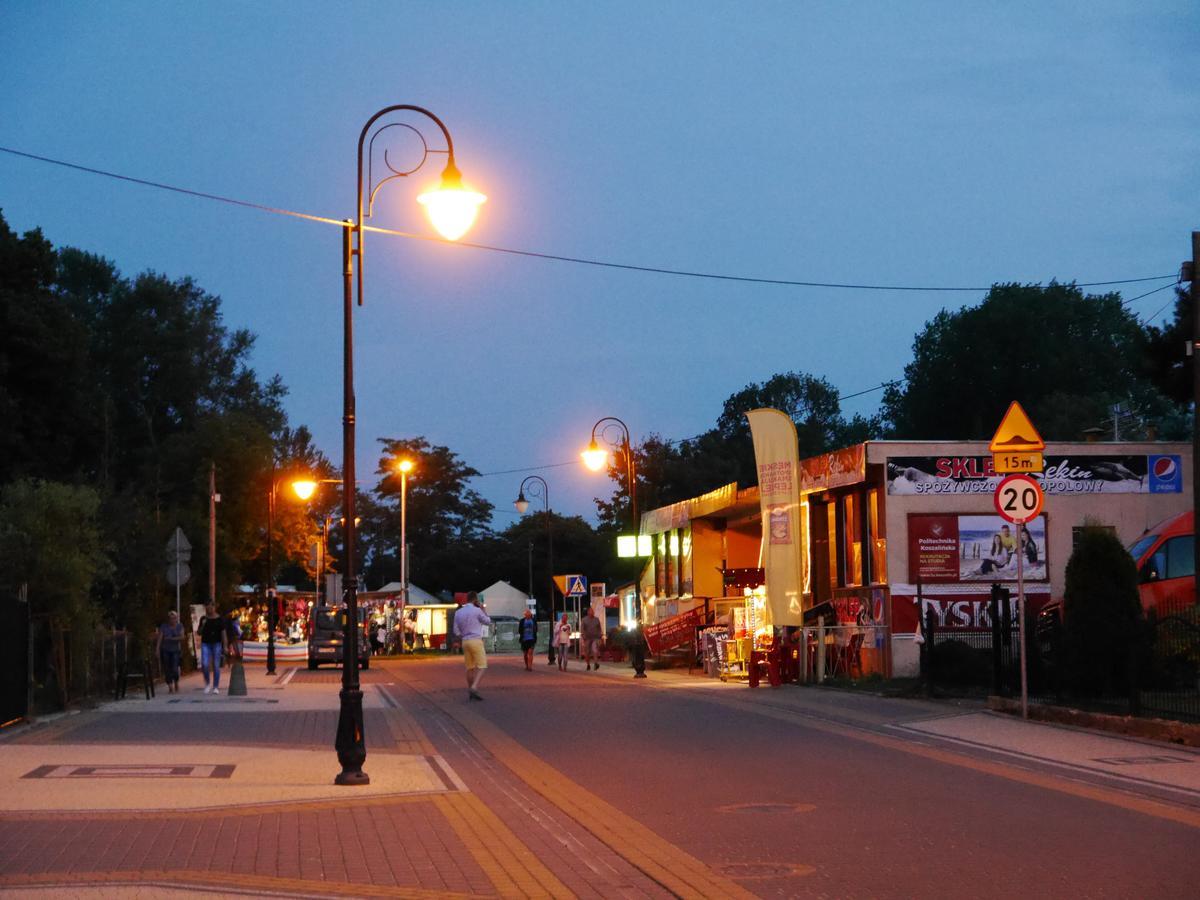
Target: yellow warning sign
{"x": 1016, "y": 433}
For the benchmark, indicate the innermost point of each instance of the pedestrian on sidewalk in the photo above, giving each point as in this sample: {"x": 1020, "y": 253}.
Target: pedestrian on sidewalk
{"x": 562, "y": 641}
{"x": 213, "y": 642}
{"x": 469, "y": 623}
{"x": 590, "y": 634}
{"x": 168, "y": 646}
{"x": 527, "y": 629}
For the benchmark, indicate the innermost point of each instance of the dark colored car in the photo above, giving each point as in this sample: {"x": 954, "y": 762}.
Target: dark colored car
{"x": 326, "y": 638}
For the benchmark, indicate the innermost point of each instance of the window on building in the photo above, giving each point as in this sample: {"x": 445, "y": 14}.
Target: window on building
{"x": 833, "y": 515}
{"x": 852, "y": 538}
{"x": 878, "y": 573}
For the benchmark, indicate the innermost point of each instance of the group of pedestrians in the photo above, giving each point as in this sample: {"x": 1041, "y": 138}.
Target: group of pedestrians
{"x": 219, "y": 636}
{"x": 590, "y": 635}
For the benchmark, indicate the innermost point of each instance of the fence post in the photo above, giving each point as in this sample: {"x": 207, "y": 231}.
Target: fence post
{"x": 994, "y": 615}
{"x": 821, "y": 650}
{"x": 930, "y": 626}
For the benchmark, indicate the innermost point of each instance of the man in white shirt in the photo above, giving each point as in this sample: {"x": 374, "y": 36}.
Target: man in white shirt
{"x": 469, "y": 622}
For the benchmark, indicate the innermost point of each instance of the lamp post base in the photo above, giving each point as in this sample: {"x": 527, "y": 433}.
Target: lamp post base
{"x": 351, "y": 749}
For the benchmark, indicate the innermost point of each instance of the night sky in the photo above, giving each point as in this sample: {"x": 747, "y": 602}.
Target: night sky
{"x": 952, "y": 144}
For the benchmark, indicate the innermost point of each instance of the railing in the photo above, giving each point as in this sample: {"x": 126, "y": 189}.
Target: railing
{"x": 841, "y": 652}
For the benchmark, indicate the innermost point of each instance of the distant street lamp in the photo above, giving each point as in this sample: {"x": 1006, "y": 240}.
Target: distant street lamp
{"x": 302, "y": 489}
{"x": 452, "y": 210}
{"x": 404, "y": 466}
{"x": 595, "y": 458}
{"x": 522, "y": 504}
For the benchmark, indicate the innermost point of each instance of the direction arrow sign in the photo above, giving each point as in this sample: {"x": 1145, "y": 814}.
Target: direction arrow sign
{"x": 1016, "y": 433}
{"x": 1018, "y": 499}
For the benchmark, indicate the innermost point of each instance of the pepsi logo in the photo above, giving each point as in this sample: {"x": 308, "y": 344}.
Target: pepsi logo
{"x": 1165, "y": 467}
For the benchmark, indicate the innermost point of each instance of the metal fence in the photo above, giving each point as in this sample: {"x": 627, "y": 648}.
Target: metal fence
{"x": 1159, "y": 677}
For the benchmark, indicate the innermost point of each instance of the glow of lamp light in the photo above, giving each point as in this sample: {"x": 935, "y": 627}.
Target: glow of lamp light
{"x": 594, "y": 457}
{"x": 451, "y": 207}
{"x": 304, "y": 489}
{"x": 405, "y": 466}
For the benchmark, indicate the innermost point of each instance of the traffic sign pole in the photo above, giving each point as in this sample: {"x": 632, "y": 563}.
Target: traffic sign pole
{"x": 1021, "y": 613}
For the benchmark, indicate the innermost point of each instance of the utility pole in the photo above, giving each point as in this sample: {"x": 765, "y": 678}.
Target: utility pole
{"x": 1191, "y": 272}
{"x": 213, "y": 499}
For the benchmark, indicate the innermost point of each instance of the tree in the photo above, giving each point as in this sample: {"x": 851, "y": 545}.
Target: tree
{"x": 51, "y": 545}
{"x": 445, "y": 516}
{"x": 1102, "y": 615}
{"x": 1066, "y": 356}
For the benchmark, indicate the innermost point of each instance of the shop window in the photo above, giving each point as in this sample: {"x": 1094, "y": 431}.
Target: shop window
{"x": 878, "y": 573}
{"x": 852, "y": 536}
{"x": 832, "y": 515}
{"x": 819, "y": 529}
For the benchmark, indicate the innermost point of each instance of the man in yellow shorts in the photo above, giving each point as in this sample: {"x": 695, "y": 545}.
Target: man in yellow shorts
{"x": 469, "y": 623}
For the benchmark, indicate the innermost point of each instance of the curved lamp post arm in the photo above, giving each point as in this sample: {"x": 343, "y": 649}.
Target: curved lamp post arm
{"x": 630, "y": 464}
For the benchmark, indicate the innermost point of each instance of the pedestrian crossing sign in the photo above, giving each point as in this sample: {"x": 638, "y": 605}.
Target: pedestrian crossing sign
{"x": 576, "y": 586}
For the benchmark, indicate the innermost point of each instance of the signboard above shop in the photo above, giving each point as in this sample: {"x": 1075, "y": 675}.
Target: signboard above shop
{"x": 1064, "y": 475}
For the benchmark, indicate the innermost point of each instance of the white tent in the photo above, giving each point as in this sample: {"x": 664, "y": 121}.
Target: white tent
{"x": 502, "y": 599}
{"x": 416, "y": 596}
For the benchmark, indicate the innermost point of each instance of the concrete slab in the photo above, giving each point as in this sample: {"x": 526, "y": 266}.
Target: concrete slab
{"x": 108, "y": 777}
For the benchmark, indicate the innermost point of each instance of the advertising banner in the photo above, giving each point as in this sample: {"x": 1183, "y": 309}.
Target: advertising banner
{"x": 836, "y": 469}
{"x": 1064, "y": 476}
{"x": 777, "y": 458}
{"x": 673, "y": 631}
{"x": 957, "y": 548}
{"x": 962, "y": 611}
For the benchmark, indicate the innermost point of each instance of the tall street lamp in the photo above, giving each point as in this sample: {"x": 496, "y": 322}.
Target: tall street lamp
{"x": 595, "y": 457}
{"x": 452, "y": 210}
{"x": 404, "y": 466}
{"x": 538, "y": 488}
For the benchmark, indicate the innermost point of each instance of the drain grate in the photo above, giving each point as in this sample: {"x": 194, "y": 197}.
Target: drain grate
{"x": 1141, "y": 760}
{"x": 132, "y": 770}
{"x": 750, "y": 870}
{"x": 766, "y": 808}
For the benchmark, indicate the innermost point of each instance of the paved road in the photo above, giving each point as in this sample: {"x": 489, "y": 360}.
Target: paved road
{"x": 824, "y": 795}
{"x": 592, "y": 785}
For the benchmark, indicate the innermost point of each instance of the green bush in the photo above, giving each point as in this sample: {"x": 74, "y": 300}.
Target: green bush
{"x": 1103, "y": 628}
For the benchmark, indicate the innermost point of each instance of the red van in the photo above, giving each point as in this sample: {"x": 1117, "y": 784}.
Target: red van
{"x": 1166, "y": 565}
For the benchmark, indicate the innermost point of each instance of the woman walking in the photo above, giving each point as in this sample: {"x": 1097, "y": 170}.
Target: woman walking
{"x": 562, "y": 641}
{"x": 212, "y": 643}
{"x": 527, "y": 630}
{"x": 168, "y": 646}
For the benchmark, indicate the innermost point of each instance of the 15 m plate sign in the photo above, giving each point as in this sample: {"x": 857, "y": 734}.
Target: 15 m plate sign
{"x": 1019, "y": 499}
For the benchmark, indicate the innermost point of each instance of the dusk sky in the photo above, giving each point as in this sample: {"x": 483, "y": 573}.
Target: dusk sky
{"x": 934, "y": 144}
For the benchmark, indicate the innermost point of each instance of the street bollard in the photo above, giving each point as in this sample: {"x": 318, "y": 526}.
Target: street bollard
{"x": 237, "y": 679}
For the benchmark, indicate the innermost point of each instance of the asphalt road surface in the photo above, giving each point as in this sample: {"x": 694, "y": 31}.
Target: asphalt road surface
{"x": 806, "y": 792}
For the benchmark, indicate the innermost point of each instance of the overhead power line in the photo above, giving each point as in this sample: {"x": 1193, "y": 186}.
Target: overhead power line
{"x": 532, "y": 254}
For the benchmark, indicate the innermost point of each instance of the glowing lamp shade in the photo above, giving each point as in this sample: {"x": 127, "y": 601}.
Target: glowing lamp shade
{"x": 521, "y": 503}
{"x": 452, "y": 208}
{"x": 405, "y": 466}
{"x": 626, "y": 546}
{"x": 645, "y": 545}
{"x": 304, "y": 489}
{"x": 594, "y": 457}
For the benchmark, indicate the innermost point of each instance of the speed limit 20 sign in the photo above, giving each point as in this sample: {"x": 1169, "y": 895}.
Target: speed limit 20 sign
{"x": 1018, "y": 499}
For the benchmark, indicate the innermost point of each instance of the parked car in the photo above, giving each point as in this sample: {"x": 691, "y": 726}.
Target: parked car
{"x": 325, "y": 641}
{"x": 1166, "y": 565}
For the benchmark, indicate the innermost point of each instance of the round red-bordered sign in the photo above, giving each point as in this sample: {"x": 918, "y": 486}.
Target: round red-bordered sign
{"x": 1018, "y": 499}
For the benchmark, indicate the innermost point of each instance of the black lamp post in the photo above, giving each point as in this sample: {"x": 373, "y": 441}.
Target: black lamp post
{"x": 539, "y": 488}
{"x": 452, "y": 209}
{"x": 595, "y": 457}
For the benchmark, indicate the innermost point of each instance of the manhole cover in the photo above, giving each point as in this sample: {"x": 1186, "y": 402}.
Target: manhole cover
{"x": 766, "y": 808}
{"x": 764, "y": 870}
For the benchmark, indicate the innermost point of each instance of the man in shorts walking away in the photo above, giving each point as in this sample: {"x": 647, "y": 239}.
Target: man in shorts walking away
{"x": 468, "y": 625}
{"x": 590, "y": 634}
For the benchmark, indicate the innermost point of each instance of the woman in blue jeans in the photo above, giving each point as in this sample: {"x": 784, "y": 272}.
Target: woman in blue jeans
{"x": 170, "y": 650}
{"x": 212, "y": 643}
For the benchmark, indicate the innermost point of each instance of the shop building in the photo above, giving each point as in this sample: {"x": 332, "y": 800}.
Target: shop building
{"x": 888, "y": 527}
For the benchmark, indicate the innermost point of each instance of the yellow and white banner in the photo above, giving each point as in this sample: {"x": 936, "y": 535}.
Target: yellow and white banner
{"x": 777, "y": 457}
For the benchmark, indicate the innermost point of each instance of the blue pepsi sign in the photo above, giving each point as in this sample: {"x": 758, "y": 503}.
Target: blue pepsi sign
{"x": 1165, "y": 475}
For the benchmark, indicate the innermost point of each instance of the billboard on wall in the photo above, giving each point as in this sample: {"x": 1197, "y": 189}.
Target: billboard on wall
{"x": 1071, "y": 475}
{"x": 944, "y": 549}
{"x": 837, "y": 469}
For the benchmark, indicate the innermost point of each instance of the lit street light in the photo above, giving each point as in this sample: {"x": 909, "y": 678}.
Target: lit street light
{"x": 452, "y": 210}
{"x": 302, "y": 489}
{"x": 404, "y": 466}
{"x": 595, "y": 458}
{"x": 538, "y": 488}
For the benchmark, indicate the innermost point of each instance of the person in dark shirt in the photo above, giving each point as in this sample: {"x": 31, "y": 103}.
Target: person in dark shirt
{"x": 527, "y": 630}
{"x": 169, "y": 646}
{"x": 213, "y": 642}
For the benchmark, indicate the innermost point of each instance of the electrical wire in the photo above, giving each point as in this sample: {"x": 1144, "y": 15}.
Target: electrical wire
{"x": 532, "y": 254}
